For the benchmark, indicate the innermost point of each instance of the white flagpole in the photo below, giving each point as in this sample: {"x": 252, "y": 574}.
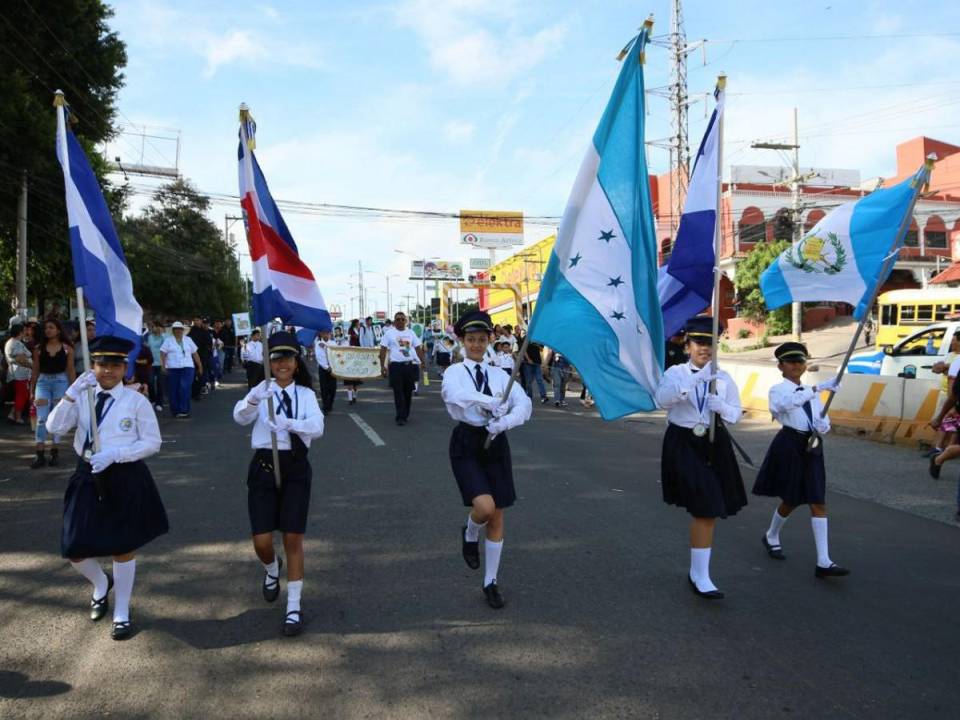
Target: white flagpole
{"x": 717, "y": 235}
{"x": 921, "y": 181}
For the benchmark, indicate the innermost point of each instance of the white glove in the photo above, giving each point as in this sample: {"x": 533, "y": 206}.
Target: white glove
{"x": 715, "y": 403}
{"x": 495, "y": 427}
{"x": 80, "y": 385}
{"x": 831, "y": 384}
{"x": 821, "y": 425}
{"x": 688, "y": 383}
{"x": 488, "y": 403}
{"x": 280, "y": 424}
{"x": 500, "y": 410}
{"x": 260, "y": 392}
{"x": 102, "y": 460}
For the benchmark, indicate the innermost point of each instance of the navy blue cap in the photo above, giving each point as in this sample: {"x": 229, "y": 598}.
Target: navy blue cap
{"x": 700, "y": 329}
{"x": 791, "y": 352}
{"x": 107, "y": 347}
{"x": 473, "y": 321}
{"x": 283, "y": 344}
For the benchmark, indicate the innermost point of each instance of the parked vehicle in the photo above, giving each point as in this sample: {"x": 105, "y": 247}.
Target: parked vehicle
{"x": 913, "y": 356}
{"x": 900, "y": 313}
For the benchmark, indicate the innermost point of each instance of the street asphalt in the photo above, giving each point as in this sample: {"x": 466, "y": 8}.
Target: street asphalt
{"x": 599, "y": 622}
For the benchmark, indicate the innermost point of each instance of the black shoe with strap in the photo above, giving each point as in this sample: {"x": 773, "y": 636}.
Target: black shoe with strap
{"x": 494, "y": 598}
{"x": 833, "y": 571}
{"x": 293, "y": 623}
{"x": 122, "y": 629}
{"x": 271, "y": 583}
{"x": 98, "y": 608}
{"x": 39, "y": 461}
{"x": 705, "y": 594}
{"x": 471, "y": 550}
{"x": 774, "y": 551}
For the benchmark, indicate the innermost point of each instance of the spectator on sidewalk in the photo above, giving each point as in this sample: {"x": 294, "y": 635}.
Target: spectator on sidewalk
{"x": 181, "y": 362}
{"x": 532, "y": 369}
{"x": 18, "y": 374}
{"x": 559, "y": 374}
{"x": 53, "y": 372}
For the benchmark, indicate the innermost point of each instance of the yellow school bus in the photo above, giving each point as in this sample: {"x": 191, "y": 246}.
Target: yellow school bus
{"x": 902, "y": 312}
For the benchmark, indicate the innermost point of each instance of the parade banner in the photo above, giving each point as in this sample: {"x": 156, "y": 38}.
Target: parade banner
{"x": 241, "y": 324}
{"x": 354, "y": 363}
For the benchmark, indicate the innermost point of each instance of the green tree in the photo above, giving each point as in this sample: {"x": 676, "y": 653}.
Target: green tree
{"x": 752, "y": 304}
{"x": 47, "y": 45}
{"x": 172, "y": 245}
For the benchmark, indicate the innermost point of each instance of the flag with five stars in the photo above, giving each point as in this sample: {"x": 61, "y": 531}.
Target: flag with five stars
{"x": 598, "y": 303}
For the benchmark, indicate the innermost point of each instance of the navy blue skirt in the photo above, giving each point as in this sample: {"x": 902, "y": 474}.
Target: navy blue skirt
{"x": 791, "y": 473}
{"x": 482, "y": 471}
{"x": 129, "y": 515}
{"x": 284, "y": 508}
{"x": 701, "y": 476}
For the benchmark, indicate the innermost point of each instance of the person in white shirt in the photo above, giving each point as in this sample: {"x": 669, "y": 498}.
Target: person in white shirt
{"x": 180, "y": 361}
{"x": 251, "y": 355}
{"x": 505, "y": 360}
{"x": 444, "y": 351}
{"x": 284, "y": 508}
{"x": 793, "y": 468}
{"x": 697, "y": 474}
{"x": 402, "y": 346}
{"x": 368, "y": 333}
{"x": 325, "y": 378}
{"x": 111, "y": 506}
{"x": 476, "y": 397}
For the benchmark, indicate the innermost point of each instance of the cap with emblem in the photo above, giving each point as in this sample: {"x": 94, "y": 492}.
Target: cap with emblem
{"x": 700, "y": 329}
{"x": 283, "y": 344}
{"x": 791, "y": 352}
{"x": 107, "y": 347}
{"x": 475, "y": 321}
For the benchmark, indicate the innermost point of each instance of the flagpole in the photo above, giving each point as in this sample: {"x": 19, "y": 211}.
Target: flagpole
{"x": 717, "y": 235}
{"x": 921, "y": 182}
{"x": 513, "y": 378}
{"x": 270, "y": 412}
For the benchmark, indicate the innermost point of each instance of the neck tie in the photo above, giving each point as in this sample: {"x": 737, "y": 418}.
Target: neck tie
{"x": 102, "y": 398}
{"x": 285, "y": 402}
{"x": 481, "y": 381}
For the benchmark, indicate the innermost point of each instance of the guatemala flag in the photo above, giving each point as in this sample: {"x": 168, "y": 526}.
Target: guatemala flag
{"x": 685, "y": 284}
{"x": 99, "y": 266}
{"x": 283, "y": 286}
{"x": 598, "y": 302}
{"x": 842, "y": 257}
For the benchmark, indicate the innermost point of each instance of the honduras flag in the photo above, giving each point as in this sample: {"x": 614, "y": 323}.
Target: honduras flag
{"x": 843, "y": 256}
{"x": 598, "y": 302}
{"x": 685, "y": 284}
{"x": 283, "y": 286}
{"x": 99, "y": 266}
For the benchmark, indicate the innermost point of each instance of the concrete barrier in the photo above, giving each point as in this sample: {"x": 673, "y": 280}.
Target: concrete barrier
{"x": 886, "y": 409}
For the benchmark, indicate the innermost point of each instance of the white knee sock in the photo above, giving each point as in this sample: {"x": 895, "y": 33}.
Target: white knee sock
{"x": 294, "y": 588}
{"x": 700, "y": 569}
{"x": 272, "y": 569}
{"x": 776, "y": 523}
{"x": 472, "y": 533}
{"x": 349, "y": 395}
{"x": 820, "y": 538}
{"x": 491, "y": 554}
{"x": 92, "y": 571}
{"x": 123, "y": 576}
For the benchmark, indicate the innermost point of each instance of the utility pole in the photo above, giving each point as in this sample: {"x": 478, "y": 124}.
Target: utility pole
{"x": 679, "y": 141}
{"x": 360, "y": 286}
{"x": 795, "y": 182}
{"x": 22, "y": 250}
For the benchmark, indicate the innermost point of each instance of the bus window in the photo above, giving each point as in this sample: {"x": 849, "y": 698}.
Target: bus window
{"x": 907, "y": 313}
{"x": 942, "y": 311}
{"x": 888, "y": 314}
{"x": 925, "y": 313}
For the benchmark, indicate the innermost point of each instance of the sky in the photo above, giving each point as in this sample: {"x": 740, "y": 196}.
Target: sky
{"x": 490, "y": 104}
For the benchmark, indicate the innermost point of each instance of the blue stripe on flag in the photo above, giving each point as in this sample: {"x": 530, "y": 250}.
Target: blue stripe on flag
{"x": 270, "y": 303}
{"x": 773, "y": 286}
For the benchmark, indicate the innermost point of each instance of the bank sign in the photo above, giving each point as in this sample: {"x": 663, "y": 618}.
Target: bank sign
{"x": 491, "y": 228}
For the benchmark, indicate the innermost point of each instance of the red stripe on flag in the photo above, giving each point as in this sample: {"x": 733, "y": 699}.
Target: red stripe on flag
{"x": 264, "y": 240}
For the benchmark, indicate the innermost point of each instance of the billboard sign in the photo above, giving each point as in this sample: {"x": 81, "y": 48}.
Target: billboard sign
{"x": 479, "y": 263}
{"x": 490, "y": 228}
{"x": 436, "y": 270}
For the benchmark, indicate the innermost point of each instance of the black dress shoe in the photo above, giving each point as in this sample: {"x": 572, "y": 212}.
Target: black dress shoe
{"x": 271, "y": 585}
{"x": 121, "y": 630}
{"x": 98, "y": 608}
{"x": 293, "y": 626}
{"x": 471, "y": 550}
{"x": 833, "y": 571}
{"x": 774, "y": 551}
{"x": 54, "y": 458}
{"x": 494, "y": 598}
{"x": 708, "y": 595}
{"x": 934, "y": 468}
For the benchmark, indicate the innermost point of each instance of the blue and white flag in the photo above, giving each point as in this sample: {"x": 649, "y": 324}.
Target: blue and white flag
{"x": 598, "y": 302}
{"x": 842, "y": 257}
{"x": 99, "y": 266}
{"x": 686, "y": 281}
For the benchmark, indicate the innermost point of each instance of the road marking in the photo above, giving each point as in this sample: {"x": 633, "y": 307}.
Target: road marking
{"x": 367, "y": 430}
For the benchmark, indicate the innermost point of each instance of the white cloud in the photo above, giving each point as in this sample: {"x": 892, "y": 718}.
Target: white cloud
{"x": 458, "y": 131}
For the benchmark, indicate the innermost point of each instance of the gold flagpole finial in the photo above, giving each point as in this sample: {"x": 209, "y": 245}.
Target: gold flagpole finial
{"x": 246, "y": 119}
{"x": 58, "y": 99}
{"x": 722, "y": 81}
{"x": 648, "y": 23}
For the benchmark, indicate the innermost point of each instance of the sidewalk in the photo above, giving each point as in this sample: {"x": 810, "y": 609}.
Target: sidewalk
{"x": 826, "y": 344}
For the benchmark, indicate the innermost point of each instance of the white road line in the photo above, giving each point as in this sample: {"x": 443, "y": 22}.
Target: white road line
{"x": 367, "y": 430}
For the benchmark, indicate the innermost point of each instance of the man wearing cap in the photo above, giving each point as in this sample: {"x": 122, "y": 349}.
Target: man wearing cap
{"x": 180, "y": 360}
{"x": 111, "y": 506}
{"x": 793, "y": 468}
{"x": 297, "y": 421}
{"x": 475, "y": 396}
{"x": 405, "y": 353}
{"x": 698, "y": 474}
